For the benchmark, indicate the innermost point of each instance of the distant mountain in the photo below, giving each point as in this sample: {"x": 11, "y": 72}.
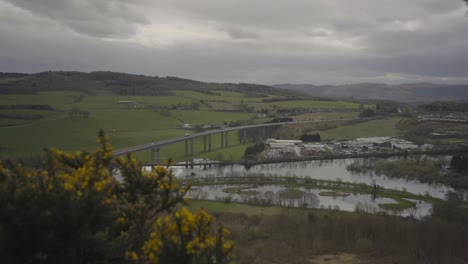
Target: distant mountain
{"x": 405, "y": 92}
{"x": 115, "y": 83}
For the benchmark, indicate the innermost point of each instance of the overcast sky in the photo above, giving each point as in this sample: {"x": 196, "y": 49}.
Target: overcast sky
{"x": 259, "y": 41}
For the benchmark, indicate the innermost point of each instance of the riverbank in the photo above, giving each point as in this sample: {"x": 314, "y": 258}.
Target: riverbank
{"x": 424, "y": 170}
{"x": 324, "y": 156}
{"x": 302, "y": 235}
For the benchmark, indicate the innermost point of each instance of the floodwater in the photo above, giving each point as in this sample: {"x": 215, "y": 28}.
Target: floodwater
{"x": 324, "y": 170}
{"x": 311, "y": 199}
{"x": 334, "y": 170}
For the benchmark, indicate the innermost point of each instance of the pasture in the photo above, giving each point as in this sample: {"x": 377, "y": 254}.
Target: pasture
{"x": 374, "y": 128}
{"x": 134, "y": 120}
{"x": 319, "y": 104}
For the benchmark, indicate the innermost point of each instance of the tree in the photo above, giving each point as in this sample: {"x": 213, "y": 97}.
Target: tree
{"x": 367, "y": 113}
{"x": 199, "y": 128}
{"x": 73, "y": 210}
{"x": 310, "y": 137}
{"x": 195, "y": 105}
{"x": 255, "y": 149}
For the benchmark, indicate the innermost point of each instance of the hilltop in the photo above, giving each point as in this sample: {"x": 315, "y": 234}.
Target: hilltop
{"x": 115, "y": 83}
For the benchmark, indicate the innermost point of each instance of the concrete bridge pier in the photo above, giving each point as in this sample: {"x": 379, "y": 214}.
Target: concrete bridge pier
{"x": 227, "y": 140}
{"x": 191, "y": 152}
{"x": 158, "y": 157}
{"x": 243, "y": 136}
{"x": 191, "y": 147}
{"x": 209, "y": 142}
{"x": 186, "y": 153}
{"x": 204, "y": 143}
{"x": 222, "y": 140}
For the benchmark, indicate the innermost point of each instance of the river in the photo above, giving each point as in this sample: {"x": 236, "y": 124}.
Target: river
{"x": 326, "y": 170}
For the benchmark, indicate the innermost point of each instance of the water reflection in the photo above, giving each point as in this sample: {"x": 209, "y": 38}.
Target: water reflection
{"x": 325, "y": 170}
{"x": 271, "y": 195}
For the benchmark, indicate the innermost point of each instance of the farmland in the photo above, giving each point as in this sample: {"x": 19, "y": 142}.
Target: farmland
{"x": 133, "y": 120}
{"x": 375, "y": 128}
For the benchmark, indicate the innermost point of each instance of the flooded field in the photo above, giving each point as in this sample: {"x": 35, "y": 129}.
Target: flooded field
{"x": 330, "y": 170}
{"x": 334, "y": 170}
{"x": 309, "y": 198}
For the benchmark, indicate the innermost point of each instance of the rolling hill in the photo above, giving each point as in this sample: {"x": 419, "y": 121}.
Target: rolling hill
{"x": 414, "y": 92}
{"x": 114, "y": 83}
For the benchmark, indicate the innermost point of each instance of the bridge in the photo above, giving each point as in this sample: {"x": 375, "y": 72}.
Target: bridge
{"x": 156, "y": 146}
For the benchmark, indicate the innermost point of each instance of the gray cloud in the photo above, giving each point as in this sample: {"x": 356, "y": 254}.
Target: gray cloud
{"x": 241, "y": 41}
{"x": 240, "y": 33}
{"x": 98, "y": 18}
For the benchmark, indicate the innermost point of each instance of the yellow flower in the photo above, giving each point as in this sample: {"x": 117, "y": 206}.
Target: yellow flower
{"x": 134, "y": 256}
{"x": 68, "y": 187}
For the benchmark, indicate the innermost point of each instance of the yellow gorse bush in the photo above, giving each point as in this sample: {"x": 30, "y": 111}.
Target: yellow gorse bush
{"x": 191, "y": 234}
{"x": 89, "y": 207}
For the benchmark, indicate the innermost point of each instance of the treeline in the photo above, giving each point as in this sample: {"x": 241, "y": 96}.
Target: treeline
{"x": 22, "y": 116}
{"x": 26, "y": 106}
{"x": 387, "y": 106}
{"x": 423, "y": 170}
{"x": 281, "y": 120}
{"x": 445, "y": 107}
{"x": 367, "y": 113}
{"x": 279, "y": 99}
{"x": 459, "y": 163}
{"x": 255, "y": 149}
{"x": 310, "y": 137}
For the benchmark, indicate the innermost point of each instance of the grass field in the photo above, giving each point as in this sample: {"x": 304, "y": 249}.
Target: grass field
{"x": 224, "y": 96}
{"x": 60, "y": 100}
{"x": 319, "y": 104}
{"x": 7, "y": 80}
{"x": 129, "y": 126}
{"x": 374, "y": 128}
{"x": 126, "y": 126}
{"x": 326, "y": 115}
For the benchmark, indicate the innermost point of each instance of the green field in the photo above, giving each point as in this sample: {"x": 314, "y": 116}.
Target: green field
{"x": 319, "y": 104}
{"x": 7, "y": 80}
{"x": 125, "y": 124}
{"x": 134, "y": 120}
{"x": 326, "y": 115}
{"x": 375, "y": 128}
{"x": 222, "y": 96}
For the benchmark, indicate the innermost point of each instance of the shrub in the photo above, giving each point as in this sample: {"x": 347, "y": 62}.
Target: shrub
{"x": 73, "y": 210}
{"x": 363, "y": 245}
{"x": 255, "y": 149}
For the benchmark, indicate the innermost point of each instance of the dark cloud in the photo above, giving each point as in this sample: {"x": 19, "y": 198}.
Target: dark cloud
{"x": 98, "y": 18}
{"x": 241, "y": 41}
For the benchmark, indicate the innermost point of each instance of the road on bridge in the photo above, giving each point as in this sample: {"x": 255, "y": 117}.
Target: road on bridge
{"x": 170, "y": 141}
